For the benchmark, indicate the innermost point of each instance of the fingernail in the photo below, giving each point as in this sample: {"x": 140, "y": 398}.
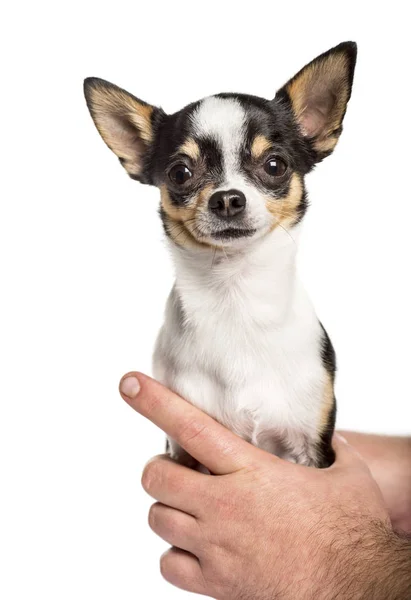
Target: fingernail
{"x": 130, "y": 387}
{"x": 341, "y": 438}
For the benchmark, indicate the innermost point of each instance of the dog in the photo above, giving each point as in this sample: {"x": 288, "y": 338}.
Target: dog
{"x": 240, "y": 339}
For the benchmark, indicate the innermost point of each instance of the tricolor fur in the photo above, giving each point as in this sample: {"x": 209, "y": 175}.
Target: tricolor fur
{"x": 241, "y": 339}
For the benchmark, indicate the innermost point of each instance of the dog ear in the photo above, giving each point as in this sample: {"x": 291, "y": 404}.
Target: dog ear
{"x": 126, "y": 124}
{"x": 319, "y": 94}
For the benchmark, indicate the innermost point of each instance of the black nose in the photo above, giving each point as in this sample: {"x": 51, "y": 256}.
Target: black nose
{"x": 227, "y": 204}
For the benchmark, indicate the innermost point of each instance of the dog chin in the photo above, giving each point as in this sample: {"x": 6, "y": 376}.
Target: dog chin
{"x": 232, "y": 237}
{"x": 232, "y": 233}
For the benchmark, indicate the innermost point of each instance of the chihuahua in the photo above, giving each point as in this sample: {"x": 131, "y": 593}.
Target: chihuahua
{"x": 240, "y": 340}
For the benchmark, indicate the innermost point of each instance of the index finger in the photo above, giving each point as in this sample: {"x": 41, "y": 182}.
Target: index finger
{"x": 214, "y": 446}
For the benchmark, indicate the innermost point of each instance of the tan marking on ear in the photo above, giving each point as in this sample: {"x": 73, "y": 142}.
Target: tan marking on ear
{"x": 124, "y": 123}
{"x": 327, "y": 404}
{"x": 191, "y": 149}
{"x": 260, "y": 145}
{"x": 327, "y": 144}
{"x": 109, "y": 102}
{"x": 285, "y": 210}
{"x": 333, "y": 68}
{"x": 329, "y": 68}
{"x": 142, "y": 120}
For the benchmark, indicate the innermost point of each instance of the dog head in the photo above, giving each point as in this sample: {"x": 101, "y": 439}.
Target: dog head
{"x": 230, "y": 167}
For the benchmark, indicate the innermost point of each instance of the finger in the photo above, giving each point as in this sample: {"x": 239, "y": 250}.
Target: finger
{"x": 183, "y": 570}
{"x": 346, "y": 455}
{"x": 175, "y": 527}
{"x": 214, "y": 446}
{"x": 175, "y": 485}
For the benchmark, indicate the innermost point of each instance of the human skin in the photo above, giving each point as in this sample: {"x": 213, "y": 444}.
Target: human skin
{"x": 261, "y": 527}
{"x": 389, "y": 460}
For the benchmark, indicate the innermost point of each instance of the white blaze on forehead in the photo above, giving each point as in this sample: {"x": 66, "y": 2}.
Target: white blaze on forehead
{"x": 222, "y": 119}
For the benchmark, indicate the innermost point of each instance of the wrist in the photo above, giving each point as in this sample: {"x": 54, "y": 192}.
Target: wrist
{"x": 375, "y": 565}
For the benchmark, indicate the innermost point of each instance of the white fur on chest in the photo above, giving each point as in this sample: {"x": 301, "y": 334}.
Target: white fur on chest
{"x": 242, "y": 342}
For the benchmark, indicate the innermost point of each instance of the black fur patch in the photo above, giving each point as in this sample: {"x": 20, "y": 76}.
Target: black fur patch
{"x": 328, "y": 354}
{"x": 302, "y": 207}
{"x": 327, "y": 454}
{"x": 163, "y": 218}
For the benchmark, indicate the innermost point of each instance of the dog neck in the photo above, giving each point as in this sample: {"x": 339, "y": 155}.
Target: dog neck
{"x": 255, "y": 282}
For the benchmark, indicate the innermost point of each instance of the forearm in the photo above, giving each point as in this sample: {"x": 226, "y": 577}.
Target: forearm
{"x": 389, "y": 459}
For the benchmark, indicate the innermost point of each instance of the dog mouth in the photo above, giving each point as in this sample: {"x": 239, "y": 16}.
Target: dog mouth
{"x": 232, "y": 233}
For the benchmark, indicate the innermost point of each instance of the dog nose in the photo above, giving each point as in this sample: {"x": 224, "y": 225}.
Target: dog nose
{"x": 227, "y": 204}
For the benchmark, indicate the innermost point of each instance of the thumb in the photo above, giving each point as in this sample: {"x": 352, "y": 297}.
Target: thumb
{"x": 346, "y": 455}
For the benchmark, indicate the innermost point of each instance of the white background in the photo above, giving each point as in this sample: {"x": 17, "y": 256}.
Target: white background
{"x": 85, "y": 273}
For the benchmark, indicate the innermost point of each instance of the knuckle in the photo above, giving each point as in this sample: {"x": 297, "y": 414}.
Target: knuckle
{"x": 164, "y": 522}
{"x": 191, "y": 431}
{"x": 174, "y": 526}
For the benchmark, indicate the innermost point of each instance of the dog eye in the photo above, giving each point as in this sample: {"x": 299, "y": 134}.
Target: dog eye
{"x": 179, "y": 174}
{"x": 275, "y": 167}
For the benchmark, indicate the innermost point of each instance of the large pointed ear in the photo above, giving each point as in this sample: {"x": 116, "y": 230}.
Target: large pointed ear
{"x": 319, "y": 94}
{"x": 126, "y": 124}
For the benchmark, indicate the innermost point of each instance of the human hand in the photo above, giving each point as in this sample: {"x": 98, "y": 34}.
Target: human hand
{"x": 389, "y": 460}
{"x": 261, "y": 527}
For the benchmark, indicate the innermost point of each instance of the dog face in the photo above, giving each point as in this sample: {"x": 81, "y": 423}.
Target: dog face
{"x": 231, "y": 167}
